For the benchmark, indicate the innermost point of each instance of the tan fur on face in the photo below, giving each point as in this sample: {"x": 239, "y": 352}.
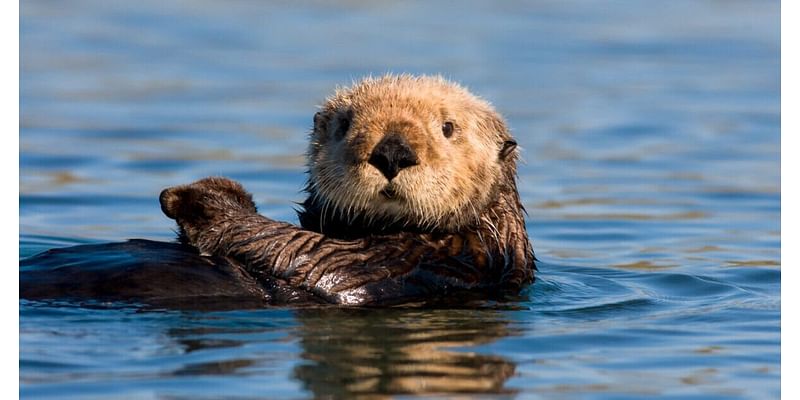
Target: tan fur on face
{"x": 456, "y": 177}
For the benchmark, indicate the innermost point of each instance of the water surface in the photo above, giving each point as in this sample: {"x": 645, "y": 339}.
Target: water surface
{"x": 651, "y": 139}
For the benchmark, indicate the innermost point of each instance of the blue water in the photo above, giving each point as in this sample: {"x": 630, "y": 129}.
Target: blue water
{"x": 651, "y": 138}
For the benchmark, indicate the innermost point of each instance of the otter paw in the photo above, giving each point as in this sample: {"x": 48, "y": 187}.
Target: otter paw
{"x": 204, "y": 200}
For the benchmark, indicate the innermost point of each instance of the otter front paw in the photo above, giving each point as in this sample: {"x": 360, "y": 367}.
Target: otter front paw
{"x": 199, "y": 204}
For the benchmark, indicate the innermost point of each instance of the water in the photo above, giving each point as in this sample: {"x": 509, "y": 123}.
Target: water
{"x": 651, "y": 135}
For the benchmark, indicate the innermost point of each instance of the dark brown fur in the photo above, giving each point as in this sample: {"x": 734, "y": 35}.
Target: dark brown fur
{"x": 218, "y": 217}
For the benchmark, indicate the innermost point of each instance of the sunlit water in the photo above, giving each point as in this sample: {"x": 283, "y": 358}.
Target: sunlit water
{"x": 651, "y": 138}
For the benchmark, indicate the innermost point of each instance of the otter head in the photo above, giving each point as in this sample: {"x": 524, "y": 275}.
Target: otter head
{"x": 419, "y": 152}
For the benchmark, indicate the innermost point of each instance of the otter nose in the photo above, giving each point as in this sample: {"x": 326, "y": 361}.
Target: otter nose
{"x": 392, "y": 154}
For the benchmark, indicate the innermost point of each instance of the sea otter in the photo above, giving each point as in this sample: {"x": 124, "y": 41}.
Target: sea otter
{"x": 411, "y": 196}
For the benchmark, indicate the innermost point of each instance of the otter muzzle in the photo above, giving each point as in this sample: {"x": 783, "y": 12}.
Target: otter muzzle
{"x": 393, "y": 154}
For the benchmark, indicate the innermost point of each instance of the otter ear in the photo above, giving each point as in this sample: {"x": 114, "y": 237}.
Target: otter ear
{"x": 320, "y": 123}
{"x": 495, "y": 123}
{"x": 507, "y": 148}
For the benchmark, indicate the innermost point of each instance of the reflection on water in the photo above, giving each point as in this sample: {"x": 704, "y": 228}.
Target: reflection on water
{"x": 341, "y": 353}
{"x": 353, "y": 352}
{"x": 650, "y": 134}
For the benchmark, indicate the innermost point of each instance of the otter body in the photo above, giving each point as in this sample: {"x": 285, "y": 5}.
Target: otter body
{"x": 412, "y": 196}
{"x": 158, "y": 274}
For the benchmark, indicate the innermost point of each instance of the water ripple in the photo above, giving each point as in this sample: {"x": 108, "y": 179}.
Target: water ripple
{"x": 650, "y": 137}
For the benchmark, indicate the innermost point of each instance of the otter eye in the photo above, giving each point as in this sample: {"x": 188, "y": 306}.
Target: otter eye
{"x": 447, "y": 129}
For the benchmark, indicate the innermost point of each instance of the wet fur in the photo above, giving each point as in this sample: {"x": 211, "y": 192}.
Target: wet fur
{"x": 487, "y": 261}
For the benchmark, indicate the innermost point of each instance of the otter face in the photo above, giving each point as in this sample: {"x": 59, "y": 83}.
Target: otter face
{"x": 419, "y": 151}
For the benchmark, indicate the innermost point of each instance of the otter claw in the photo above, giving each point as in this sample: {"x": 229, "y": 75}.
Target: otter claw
{"x": 169, "y": 200}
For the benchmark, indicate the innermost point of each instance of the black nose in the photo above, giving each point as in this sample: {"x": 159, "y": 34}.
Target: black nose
{"x": 392, "y": 154}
